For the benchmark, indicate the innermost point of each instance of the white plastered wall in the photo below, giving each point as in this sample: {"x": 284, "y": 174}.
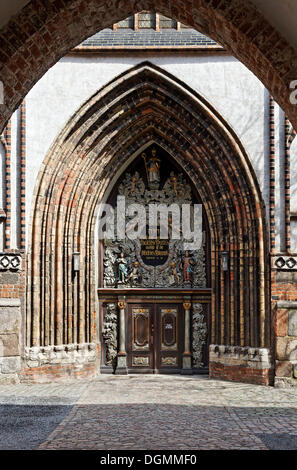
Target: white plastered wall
{"x": 224, "y": 82}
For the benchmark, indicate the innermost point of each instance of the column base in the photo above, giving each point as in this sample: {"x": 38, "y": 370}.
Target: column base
{"x": 186, "y": 372}
{"x": 121, "y": 368}
{"x": 121, "y": 371}
{"x": 187, "y": 365}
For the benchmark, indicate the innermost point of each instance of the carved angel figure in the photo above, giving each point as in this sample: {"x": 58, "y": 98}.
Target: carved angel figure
{"x": 135, "y": 274}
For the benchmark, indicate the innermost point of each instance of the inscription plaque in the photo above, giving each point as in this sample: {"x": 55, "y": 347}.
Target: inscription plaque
{"x": 154, "y": 252}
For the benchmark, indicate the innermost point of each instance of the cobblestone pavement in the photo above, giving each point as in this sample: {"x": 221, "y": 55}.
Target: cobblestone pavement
{"x": 147, "y": 412}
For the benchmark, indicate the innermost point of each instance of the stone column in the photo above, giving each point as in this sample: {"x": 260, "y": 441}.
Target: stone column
{"x": 187, "y": 367}
{"x": 122, "y": 355}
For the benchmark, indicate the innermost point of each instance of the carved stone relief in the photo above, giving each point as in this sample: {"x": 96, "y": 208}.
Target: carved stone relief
{"x": 126, "y": 264}
{"x": 109, "y": 334}
{"x": 199, "y": 335}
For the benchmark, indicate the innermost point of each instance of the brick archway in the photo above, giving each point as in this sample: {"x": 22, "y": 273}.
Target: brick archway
{"x": 44, "y": 31}
{"x": 144, "y": 104}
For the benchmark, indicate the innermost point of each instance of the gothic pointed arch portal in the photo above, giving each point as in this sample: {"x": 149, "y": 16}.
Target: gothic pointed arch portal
{"x": 143, "y": 105}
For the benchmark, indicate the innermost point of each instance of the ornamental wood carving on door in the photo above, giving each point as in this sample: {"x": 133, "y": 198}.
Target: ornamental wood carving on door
{"x": 154, "y": 337}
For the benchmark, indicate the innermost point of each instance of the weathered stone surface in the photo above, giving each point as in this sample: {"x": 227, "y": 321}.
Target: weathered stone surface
{"x": 283, "y": 369}
{"x": 10, "y": 365}
{"x": 9, "y": 345}
{"x": 286, "y": 276}
{"x": 62, "y": 354}
{"x": 285, "y": 382}
{"x": 9, "y": 278}
{"x": 292, "y": 323}
{"x": 286, "y": 349}
{"x": 9, "y": 379}
{"x": 258, "y": 358}
{"x": 33, "y": 363}
{"x": 10, "y": 320}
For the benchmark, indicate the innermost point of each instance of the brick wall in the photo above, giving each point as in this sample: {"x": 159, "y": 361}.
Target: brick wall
{"x": 284, "y": 285}
{"x": 241, "y": 374}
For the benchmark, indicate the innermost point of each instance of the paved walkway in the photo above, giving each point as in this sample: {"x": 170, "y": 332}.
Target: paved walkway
{"x": 147, "y": 413}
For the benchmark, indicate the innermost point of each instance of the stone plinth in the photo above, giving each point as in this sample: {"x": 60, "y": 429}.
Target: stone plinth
{"x": 60, "y": 362}
{"x": 241, "y": 364}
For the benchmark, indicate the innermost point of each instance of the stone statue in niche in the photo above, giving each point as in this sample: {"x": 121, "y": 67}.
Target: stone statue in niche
{"x": 109, "y": 334}
{"x": 187, "y": 267}
{"x": 122, "y": 269}
{"x": 152, "y": 169}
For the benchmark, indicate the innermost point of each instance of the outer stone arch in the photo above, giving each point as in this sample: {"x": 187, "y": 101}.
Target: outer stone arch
{"x": 45, "y": 31}
{"x": 144, "y": 104}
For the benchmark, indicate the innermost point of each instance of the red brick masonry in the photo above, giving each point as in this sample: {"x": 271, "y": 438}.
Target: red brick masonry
{"x": 55, "y": 363}
{"x": 57, "y": 372}
{"x": 248, "y": 365}
{"x": 241, "y": 374}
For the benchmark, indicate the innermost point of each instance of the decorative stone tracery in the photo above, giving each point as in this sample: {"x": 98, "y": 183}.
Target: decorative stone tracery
{"x": 10, "y": 261}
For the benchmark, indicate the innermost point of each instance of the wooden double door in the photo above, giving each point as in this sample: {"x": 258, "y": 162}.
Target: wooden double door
{"x": 155, "y": 337}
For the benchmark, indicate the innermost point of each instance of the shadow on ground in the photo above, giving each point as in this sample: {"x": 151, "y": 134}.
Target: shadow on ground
{"x": 145, "y": 427}
{"x": 25, "y": 427}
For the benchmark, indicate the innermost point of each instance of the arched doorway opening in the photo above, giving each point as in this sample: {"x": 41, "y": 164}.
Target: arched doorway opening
{"x": 141, "y": 106}
{"x": 159, "y": 276}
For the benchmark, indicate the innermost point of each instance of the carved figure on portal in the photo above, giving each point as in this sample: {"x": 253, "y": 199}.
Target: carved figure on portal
{"x": 122, "y": 268}
{"x": 152, "y": 167}
{"x": 187, "y": 268}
